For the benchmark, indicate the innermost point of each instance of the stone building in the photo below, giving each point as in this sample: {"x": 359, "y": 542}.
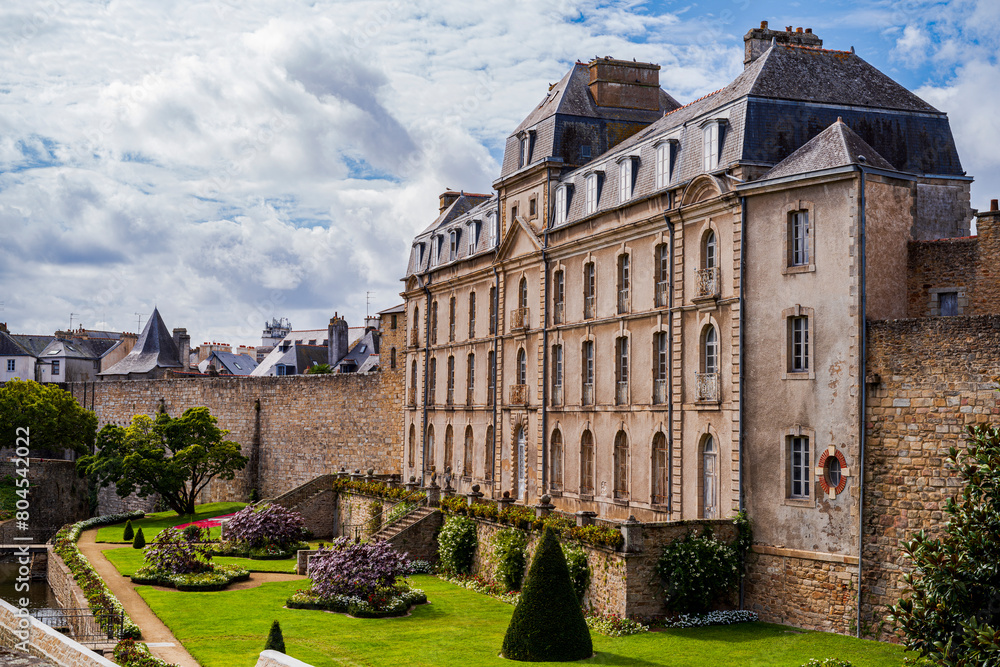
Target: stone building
{"x": 665, "y": 316}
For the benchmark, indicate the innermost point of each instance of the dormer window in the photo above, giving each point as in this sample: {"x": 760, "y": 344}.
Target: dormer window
{"x": 474, "y": 228}
{"x": 436, "y": 244}
{"x": 626, "y": 172}
{"x": 562, "y": 204}
{"x": 453, "y": 246}
{"x": 524, "y": 158}
{"x": 713, "y": 134}
{"x": 665, "y": 155}
{"x": 492, "y": 228}
{"x": 420, "y": 254}
{"x": 593, "y": 191}
{"x": 585, "y": 153}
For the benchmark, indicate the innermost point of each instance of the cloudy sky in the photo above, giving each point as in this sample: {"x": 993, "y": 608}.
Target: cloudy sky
{"x": 232, "y": 161}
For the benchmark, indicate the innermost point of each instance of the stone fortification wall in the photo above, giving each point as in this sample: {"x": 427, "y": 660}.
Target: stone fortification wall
{"x": 56, "y": 496}
{"x": 293, "y": 429}
{"x": 930, "y": 379}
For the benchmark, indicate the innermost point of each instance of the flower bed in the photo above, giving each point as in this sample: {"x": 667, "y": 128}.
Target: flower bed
{"x": 179, "y": 561}
{"x": 384, "y": 606}
{"x": 257, "y": 553}
{"x": 724, "y": 617}
{"x": 99, "y": 597}
{"x": 216, "y": 580}
{"x": 377, "y": 489}
{"x": 525, "y": 519}
{"x": 128, "y": 653}
{"x": 264, "y": 531}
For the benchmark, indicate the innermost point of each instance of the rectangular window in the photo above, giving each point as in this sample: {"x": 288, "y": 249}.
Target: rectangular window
{"x": 559, "y": 297}
{"x": 585, "y": 152}
{"x": 662, "y": 275}
{"x": 799, "y": 458}
{"x": 624, "y": 284}
{"x": 11, "y": 365}
{"x": 532, "y": 206}
{"x": 491, "y": 374}
{"x": 799, "y": 238}
{"x": 621, "y": 371}
{"x": 470, "y": 377}
{"x": 451, "y": 380}
{"x": 660, "y": 352}
{"x": 588, "y": 372}
{"x": 472, "y": 315}
{"x": 662, "y": 165}
{"x": 474, "y": 230}
{"x": 561, "y": 204}
{"x": 55, "y": 367}
{"x": 625, "y": 180}
{"x": 493, "y": 310}
{"x": 589, "y": 290}
{"x": 592, "y": 193}
{"x": 525, "y": 156}
{"x": 948, "y": 302}
{"x": 799, "y": 336}
{"x": 710, "y": 146}
{"x": 557, "y": 375}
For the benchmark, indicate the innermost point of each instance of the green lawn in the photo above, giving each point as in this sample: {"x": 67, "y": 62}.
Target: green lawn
{"x": 129, "y": 560}
{"x": 460, "y": 627}
{"x": 154, "y": 523}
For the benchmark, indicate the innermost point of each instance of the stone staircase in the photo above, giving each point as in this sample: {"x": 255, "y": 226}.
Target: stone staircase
{"x": 314, "y": 500}
{"x": 414, "y": 533}
{"x": 386, "y": 533}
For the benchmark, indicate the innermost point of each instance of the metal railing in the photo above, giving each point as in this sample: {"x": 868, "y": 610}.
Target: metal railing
{"x": 518, "y": 394}
{"x": 659, "y": 392}
{"x": 588, "y": 394}
{"x": 662, "y": 293}
{"x": 624, "y": 301}
{"x": 621, "y": 392}
{"x": 589, "y": 307}
{"x": 707, "y": 282}
{"x": 708, "y": 387}
{"x": 373, "y": 526}
{"x": 84, "y": 625}
{"x": 519, "y": 319}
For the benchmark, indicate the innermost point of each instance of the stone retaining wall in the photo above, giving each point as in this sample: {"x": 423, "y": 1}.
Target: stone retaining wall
{"x": 44, "y": 642}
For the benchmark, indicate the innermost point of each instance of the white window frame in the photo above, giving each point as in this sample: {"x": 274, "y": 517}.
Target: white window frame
{"x": 562, "y": 202}
{"x": 799, "y": 239}
{"x": 710, "y": 350}
{"x": 453, "y": 246}
{"x": 711, "y": 144}
{"x": 626, "y": 170}
{"x": 593, "y": 192}
{"x": 799, "y": 471}
{"x": 11, "y": 365}
{"x": 474, "y": 229}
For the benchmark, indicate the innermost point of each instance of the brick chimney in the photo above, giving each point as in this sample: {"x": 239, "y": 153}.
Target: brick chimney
{"x": 446, "y": 199}
{"x": 625, "y": 84}
{"x": 183, "y": 343}
{"x": 758, "y": 40}
{"x": 336, "y": 340}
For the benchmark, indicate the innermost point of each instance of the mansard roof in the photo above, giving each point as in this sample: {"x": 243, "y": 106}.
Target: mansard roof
{"x": 154, "y": 349}
{"x": 484, "y": 212}
{"x": 836, "y": 146}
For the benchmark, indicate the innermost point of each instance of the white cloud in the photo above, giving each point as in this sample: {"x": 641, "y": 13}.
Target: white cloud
{"x": 912, "y": 47}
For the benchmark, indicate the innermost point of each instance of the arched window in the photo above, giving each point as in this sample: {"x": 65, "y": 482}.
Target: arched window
{"x": 522, "y": 292}
{"x": 415, "y": 334}
{"x": 709, "y": 475}
{"x": 556, "y": 464}
{"x": 449, "y": 448}
{"x": 621, "y": 465}
{"x": 493, "y": 310}
{"x": 470, "y": 379}
{"x": 413, "y": 446}
{"x": 488, "y": 453}
{"x": 522, "y": 367}
{"x": 624, "y": 284}
{"x": 587, "y": 463}
{"x": 430, "y": 446}
{"x": 519, "y": 467}
{"x": 434, "y": 324}
{"x": 710, "y": 257}
{"x": 432, "y": 380}
{"x": 660, "y": 463}
{"x": 467, "y": 453}
{"x": 451, "y": 380}
{"x": 413, "y": 382}
{"x": 710, "y": 351}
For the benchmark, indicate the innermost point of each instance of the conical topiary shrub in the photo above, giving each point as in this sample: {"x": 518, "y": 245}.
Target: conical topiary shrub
{"x": 548, "y": 622}
{"x": 139, "y": 542}
{"x": 275, "y": 641}
{"x": 129, "y": 532}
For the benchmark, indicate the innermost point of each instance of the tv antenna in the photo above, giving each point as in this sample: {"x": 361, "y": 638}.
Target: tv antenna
{"x": 138, "y": 322}
{"x": 71, "y": 316}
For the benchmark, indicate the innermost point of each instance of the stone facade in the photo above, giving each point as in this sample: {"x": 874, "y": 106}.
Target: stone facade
{"x": 44, "y": 642}
{"x": 57, "y": 496}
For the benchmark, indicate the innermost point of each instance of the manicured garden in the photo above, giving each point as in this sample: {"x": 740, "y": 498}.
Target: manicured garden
{"x": 154, "y": 523}
{"x": 128, "y": 560}
{"x": 229, "y": 628}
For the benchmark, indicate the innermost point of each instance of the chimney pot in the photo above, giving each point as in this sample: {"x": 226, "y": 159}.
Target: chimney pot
{"x": 993, "y": 205}
{"x": 763, "y": 25}
{"x": 798, "y": 30}
{"x": 809, "y": 31}
{"x": 788, "y": 28}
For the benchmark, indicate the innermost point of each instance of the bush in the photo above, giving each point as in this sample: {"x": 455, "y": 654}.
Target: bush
{"x": 829, "y": 662}
{"x": 171, "y": 553}
{"x": 579, "y": 569}
{"x": 359, "y": 570}
{"x": 508, "y": 557}
{"x": 374, "y": 517}
{"x": 128, "y": 653}
{"x": 394, "y": 602}
{"x": 140, "y": 541}
{"x": 952, "y": 613}
{"x": 695, "y": 571}
{"x": 129, "y": 532}
{"x": 262, "y": 526}
{"x": 194, "y": 534}
{"x": 548, "y": 623}
{"x": 457, "y": 545}
{"x": 275, "y": 641}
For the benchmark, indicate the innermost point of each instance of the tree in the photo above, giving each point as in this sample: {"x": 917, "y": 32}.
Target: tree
{"x": 139, "y": 541}
{"x": 174, "y": 457}
{"x": 275, "y": 640}
{"x": 548, "y": 623}
{"x": 952, "y": 613}
{"x": 52, "y": 417}
{"x": 129, "y": 532}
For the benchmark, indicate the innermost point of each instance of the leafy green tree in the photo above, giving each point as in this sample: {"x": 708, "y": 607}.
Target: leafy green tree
{"x": 129, "y": 532}
{"x": 952, "y": 612}
{"x": 174, "y": 457}
{"x": 548, "y": 623}
{"x": 275, "y": 640}
{"x": 139, "y": 541}
{"x": 54, "y": 419}
{"x": 320, "y": 369}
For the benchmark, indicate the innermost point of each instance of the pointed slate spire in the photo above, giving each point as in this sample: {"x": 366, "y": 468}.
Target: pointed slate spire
{"x": 836, "y": 146}
{"x": 154, "y": 349}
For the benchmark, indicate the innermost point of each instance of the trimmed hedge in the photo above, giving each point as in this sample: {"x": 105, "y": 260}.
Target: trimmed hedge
{"x": 548, "y": 624}
{"x": 377, "y": 489}
{"x": 216, "y": 580}
{"x": 355, "y": 606}
{"x": 99, "y": 597}
{"x": 275, "y": 640}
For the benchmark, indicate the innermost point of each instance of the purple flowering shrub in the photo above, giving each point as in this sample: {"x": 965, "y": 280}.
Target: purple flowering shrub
{"x": 363, "y": 570}
{"x": 172, "y": 552}
{"x": 261, "y": 526}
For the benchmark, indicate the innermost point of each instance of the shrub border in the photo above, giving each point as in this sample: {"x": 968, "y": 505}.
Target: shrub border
{"x": 232, "y": 573}
{"x": 412, "y": 598}
{"x": 64, "y": 546}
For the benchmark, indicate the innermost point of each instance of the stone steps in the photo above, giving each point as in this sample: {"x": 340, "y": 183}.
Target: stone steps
{"x": 391, "y": 531}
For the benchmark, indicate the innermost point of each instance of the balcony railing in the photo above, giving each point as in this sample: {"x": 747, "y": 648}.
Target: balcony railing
{"x": 431, "y": 398}
{"x": 468, "y": 395}
{"x": 558, "y": 316}
{"x": 708, "y": 387}
{"x": 490, "y": 392}
{"x": 621, "y": 393}
{"x": 518, "y": 394}
{"x": 412, "y": 396}
{"x": 662, "y": 293}
{"x": 519, "y": 319}
{"x": 624, "y": 301}
{"x": 707, "y": 282}
{"x": 451, "y": 396}
{"x": 589, "y": 307}
{"x": 414, "y": 337}
{"x": 557, "y": 394}
{"x": 659, "y": 392}
{"x": 588, "y": 394}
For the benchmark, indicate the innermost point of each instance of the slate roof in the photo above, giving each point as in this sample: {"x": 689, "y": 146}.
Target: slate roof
{"x": 154, "y": 349}
{"x": 236, "y": 364}
{"x": 401, "y": 308}
{"x": 367, "y": 346}
{"x": 32, "y": 345}
{"x": 836, "y": 146}
{"x": 79, "y": 349}
{"x": 307, "y": 356}
{"x": 485, "y": 213}
{"x": 10, "y": 347}
{"x": 462, "y": 205}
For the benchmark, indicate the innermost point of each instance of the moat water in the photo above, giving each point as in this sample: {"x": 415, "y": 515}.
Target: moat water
{"x": 39, "y": 594}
